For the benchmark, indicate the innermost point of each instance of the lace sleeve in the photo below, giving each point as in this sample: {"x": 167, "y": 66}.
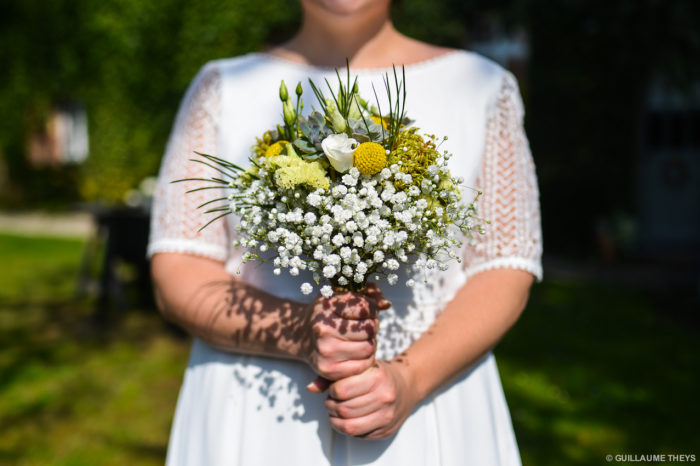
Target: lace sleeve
{"x": 510, "y": 197}
{"x": 175, "y": 218}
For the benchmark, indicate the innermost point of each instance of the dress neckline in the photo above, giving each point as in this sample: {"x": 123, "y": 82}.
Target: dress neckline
{"x": 309, "y": 68}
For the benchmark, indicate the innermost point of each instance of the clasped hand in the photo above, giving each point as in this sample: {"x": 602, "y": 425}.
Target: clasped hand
{"x": 366, "y": 398}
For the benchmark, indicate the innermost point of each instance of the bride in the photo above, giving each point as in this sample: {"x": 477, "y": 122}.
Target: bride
{"x": 413, "y": 381}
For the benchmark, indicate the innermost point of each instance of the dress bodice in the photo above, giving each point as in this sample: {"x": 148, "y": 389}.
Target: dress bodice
{"x": 473, "y": 101}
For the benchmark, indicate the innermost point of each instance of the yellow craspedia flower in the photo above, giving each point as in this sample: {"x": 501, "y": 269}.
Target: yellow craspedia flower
{"x": 276, "y": 148}
{"x": 369, "y": 158}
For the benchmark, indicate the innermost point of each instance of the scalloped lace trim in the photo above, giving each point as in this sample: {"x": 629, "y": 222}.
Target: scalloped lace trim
{"x": 520, "y": 263}
{"x": 184, "y": 246}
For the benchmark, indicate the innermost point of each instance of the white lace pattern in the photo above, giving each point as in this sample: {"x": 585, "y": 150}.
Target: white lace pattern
{"x": 176, "y": 219}
{"x": 510, "y": 197}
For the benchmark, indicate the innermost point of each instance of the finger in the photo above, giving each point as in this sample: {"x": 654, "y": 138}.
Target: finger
{"x": 341, "y": 370}
{"x": 378, "y": 434}
{"x": 342, "y": 329}
{"x": 345, "y": 304}
{"x": 353, "y": 386}
{"x": 355, "y": 407}
{"x": 352, "y": 306}
{"x": 339, "y": 350}
{"x": 318, "y": 385}
{"x": 373, "y": 292}
{"x": 358, "y": 426}
{"x": 356, "y": 330}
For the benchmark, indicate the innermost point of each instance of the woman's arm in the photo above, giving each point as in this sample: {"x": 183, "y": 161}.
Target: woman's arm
{"x": 375, "y": 404}
{"x": 335, "y": 336}
{"x": 470, "y": 326}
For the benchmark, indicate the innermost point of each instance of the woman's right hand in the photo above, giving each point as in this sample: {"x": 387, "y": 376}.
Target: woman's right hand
{"x": 335, "y": 336}
{"x": 340, "y": 334}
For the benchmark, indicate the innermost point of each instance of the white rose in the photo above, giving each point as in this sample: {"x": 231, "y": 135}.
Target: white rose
{"x": 339, "y": 149}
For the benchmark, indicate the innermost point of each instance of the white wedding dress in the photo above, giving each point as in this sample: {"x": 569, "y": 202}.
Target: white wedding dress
{"x": 244, "y": 410}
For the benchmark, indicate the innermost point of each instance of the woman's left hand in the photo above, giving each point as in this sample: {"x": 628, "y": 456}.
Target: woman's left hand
{"x": 372, "y": 404}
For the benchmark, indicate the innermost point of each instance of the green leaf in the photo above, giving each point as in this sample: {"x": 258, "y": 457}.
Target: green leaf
{"x": 304, "y": 146}
{"x": 365, "y": 131}
{"x": 304, "y": 127}
{"x": 314, "y": 156}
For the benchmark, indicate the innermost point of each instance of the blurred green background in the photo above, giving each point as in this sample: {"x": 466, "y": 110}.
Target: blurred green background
{"x": 605, "y": 358}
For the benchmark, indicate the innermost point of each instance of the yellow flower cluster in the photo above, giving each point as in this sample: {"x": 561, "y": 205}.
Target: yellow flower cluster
{"x": 262, "y": 144}
{"x": 370, "y": 158}
{"x": 291, "y": 171}
{"x": 276, "y": 148}
{"x": 415, "y": 154}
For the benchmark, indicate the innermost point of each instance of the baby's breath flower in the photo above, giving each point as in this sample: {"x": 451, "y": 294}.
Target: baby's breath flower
{"x": 329, "y": 271}
{"x": 313, "y": 199}
{"x": 309, "y": 218}
{"x": 349, "y": 180}
{"x": 306, "y": 288}
{"x": 345, "y": 253}
{"x": 361, "y": 268}
{"x": 339, "y": 190}
{"x": 392, "y": 264}
{"x": 327, "y": 291}
{"x": 338, "y": 240}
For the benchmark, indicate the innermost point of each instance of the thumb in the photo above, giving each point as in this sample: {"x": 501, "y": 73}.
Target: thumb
{"x": 373, "y": 292}
{"x": 319, "y": 385}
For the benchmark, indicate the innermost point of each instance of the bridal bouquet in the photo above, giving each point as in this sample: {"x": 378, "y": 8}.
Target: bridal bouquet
{"x": 348, "y": 193}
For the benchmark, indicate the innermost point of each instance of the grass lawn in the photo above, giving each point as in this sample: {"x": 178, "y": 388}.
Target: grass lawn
{"x": 70, "y": 392}
{"x": 588, "y": 371}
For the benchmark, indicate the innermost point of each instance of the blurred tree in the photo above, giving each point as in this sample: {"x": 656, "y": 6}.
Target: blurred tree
{"x": 150, "y": 53}
{"x": 130, "y": 62}
{"x": 41, "y": 64}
